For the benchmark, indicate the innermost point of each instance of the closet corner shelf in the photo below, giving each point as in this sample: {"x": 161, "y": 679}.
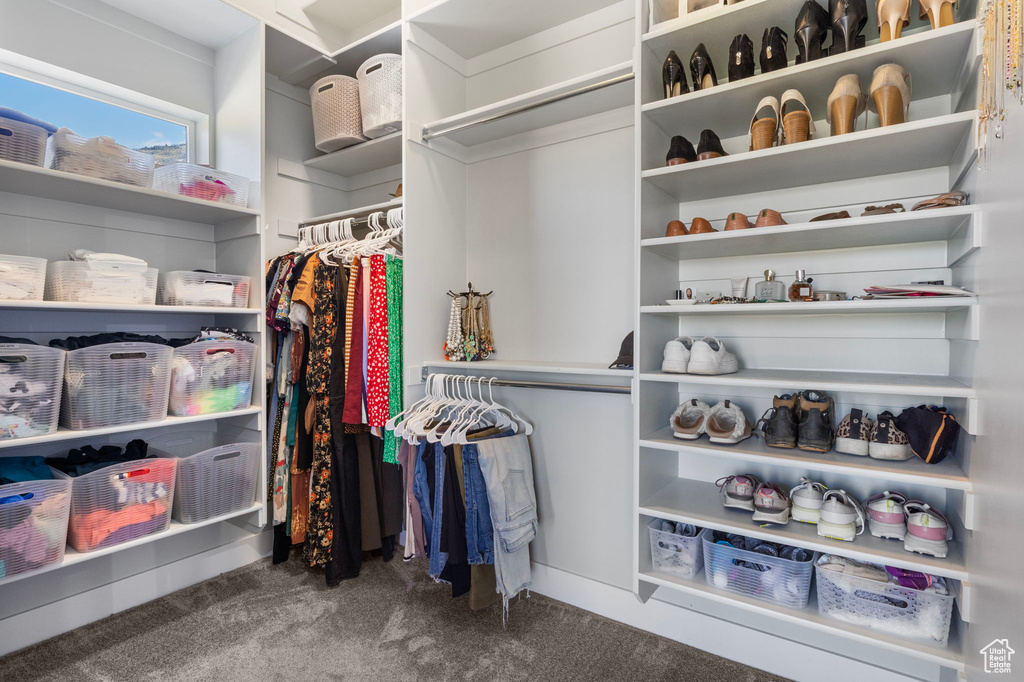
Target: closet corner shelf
{"x": 700, "y": 503}
{"x": 347, "y": 60}
{"x": 496, "y": 121}
{"x": 909, "y": 305}
{"x": 947, "y": 474}
{"x": 743, "y": 17}
{"x": 65, "y": 306}
{"x": 928, "y": 143}
{"x": 529, "y": 366}
{"x": 19, "y": 178}
{"x": 362, "y": 158}
{"x": 360, "y": 212}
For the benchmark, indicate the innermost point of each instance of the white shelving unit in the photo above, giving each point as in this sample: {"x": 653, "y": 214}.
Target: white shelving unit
{"x": 532, "y": 367}
{"x": 362, "y": 158}
{"x": 923, "y": 305}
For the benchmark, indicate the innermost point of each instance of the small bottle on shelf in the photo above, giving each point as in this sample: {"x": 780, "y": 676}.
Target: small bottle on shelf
{"x": 801, "y": 289}
{"x": 770, "y": 289}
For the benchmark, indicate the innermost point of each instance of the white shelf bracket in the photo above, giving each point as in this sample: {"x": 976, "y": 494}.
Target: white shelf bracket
{"x": 964, "y": 595}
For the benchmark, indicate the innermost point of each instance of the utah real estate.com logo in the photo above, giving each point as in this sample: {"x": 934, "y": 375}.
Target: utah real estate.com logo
{"x": 997, "y": 656}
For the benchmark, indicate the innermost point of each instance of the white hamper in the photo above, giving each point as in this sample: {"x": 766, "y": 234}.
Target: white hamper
{"x": 201, "y": 182}
{"x": 217, "y": 481}
{"x": 22, "y": 142}
{"x": 33, "y": 525}
{"x": 31, "y": 378}
{"x": 99, "y": 157}
{"x": 116, "y": 383}
{"x": 380, "y": 95}
{"x": 181, "y": 287}
{"x": 675, "y": 554}
{"x": 337, "y": 117}
{"x": 88, "y": 282}
{"x": 782, "y": 581}
{"x": 211, "y": 376}
{"x": 22, "y": 278}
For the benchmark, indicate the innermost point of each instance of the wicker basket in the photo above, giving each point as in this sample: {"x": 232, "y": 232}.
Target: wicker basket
{"x": 337, "y": 120}
{"x": 99, "y": 157}
{"x": 380, "y": 95}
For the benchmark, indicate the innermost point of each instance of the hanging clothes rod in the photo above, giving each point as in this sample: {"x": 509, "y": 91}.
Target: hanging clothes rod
{"x": 551, "y": 386}
{"x": 431, "y": 134}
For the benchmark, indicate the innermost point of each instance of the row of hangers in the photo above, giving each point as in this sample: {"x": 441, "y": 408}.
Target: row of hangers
{"x": 338, "y": 245}
{"x": 449, "y": 411}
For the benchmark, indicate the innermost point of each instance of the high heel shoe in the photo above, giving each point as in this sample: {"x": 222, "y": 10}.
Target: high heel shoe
{"x": 890, "y": 94}
{"x": 773, "y": 49}
{"x": 939, "y": 12}
{"x": 811, "y": 29}
{"x": 676, "y": 228}
{"x": 709, "y": 147}
{"x": 797, "y": 122}
{"x": 764, "y": 126}
{"x": 893, "y": 17}
{"x": 741, "y": 58}
{"x": 848, "y": 17}
{"x": 845, "y": 104}
{"x": 680, "y": 151}
{"x": 702, "y": 70}
{"x": 674, "y": 76}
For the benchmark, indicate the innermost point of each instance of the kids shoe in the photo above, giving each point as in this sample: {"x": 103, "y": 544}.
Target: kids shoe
{"x": 927, "y": 530}
{"x": 817, "y": 430}
{"x": 807, "y": 498}
{"x": 854, "y": 433}
{"x": 738, "y": 491}
{"x": 779, "y": 424}
{"x": 887, "y": 441}
{"x": 727, "y": 424}
{"x": 689, "y": 420}
{"x": 771, "y": 504}
{"x": 842, "y": 516}
{"x": 709, "y": 357}
{"x": 677, "y": 355}
{"x": 885, "y": 515}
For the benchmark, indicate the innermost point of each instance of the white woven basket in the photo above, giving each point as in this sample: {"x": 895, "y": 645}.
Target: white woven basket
{"x": 217, "y": 481}
{"x": 31, "y": 378}
{"x": 380, "y": 95}
{"x": 337, "y": 120}
{"x": 22, "y": 278}
{"x": 99, "y": 157}
{"x": 85, "y": 282}
{"x": 22, "y": 142}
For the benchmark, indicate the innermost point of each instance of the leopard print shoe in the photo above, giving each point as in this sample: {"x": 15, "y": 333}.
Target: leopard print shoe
{"x": 887, "y": 441}
{"x": 854, "y": 434}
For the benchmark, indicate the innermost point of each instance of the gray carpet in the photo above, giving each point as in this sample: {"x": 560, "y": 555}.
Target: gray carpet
{"x": 393, "y": 623}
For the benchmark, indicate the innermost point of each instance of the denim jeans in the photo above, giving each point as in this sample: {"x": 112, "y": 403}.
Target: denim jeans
{"x": 479, "y": 530}
{"x": 430, "y": 461}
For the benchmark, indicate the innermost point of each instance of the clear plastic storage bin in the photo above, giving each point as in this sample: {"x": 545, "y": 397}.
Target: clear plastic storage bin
{"x": 85, "y": 282}
{"x": 33, "y": 525}
{"x": 897, "y": 610}
{"x": 22, "y": 142}
{"x": 99, "y": 157}
{"x": 776, "y": 580}
{"x": 119, "y": 503}
{"x": 200, "y": 182}
{"x": 22, "y": 278}
{"x": 217, "y": 481}
{"x": 380, "y": 95}
{"x": 337, "y": 117}
{"x": 211, "y": 376}
{"x": 675, "y": 554}
{"x": 180, "y": 287}
{"x": 31, "y": 378}
{"x": 116, "y": 383}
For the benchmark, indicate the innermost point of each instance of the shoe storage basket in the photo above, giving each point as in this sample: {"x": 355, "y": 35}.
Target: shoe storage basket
{"x": 121, "y": 502}
{"x": 380, "y": 95}
{"x": 200, "y": 182}
{"x": 99, "y": 157}
{"x": 675, "y": 554}
{"x": 22, "y": 142}
{"x": 22, "y": 278}
{"x": 85, "y": 282}
{"x": 211, "y": 376}
{"x": 337, "y": 117}
{"x": 33, "y": 525}
{"x": 203, "y": 288}
{"x": 893, "y": 609}
{"x": 31, "y": 378}
{"x": 116, "y": 383}
{"x": 217, "y": 481}
{"x": 779, "y": 581}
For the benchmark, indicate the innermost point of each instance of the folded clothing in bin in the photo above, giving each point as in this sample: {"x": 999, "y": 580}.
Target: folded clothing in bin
{"x": 211, "y": 376}
{"x": 87, "y": 459}
{"x": 33, "y": 523}
{"x": 21, "y": 469}
{"x": 30, "y": 389}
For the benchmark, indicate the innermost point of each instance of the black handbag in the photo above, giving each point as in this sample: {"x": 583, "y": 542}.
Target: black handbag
{"x": 932, "y": 431}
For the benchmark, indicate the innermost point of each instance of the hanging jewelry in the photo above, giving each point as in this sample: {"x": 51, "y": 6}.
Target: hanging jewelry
{"x": 1002, "y": 23}
{"x": 453, "y": 350}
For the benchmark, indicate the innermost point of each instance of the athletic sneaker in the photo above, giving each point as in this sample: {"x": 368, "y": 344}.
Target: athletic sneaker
{"x": 854, "y": 434}
{"x": 887, "y": 441}
{"x": 727, "y": 424}
{"x": 842, "y": 516}
{"x": 738, "y": 491}
{"x": 927, "y": 530}
{"x": 885, "y": 515}
{"x": 677, "y": 355}
{"x": 817, "y": 429}
{"x": 708, "y": 356}
{"x": 779, "y": 424}
{"x": 690, "y": 419}
{"x": 807, "y": 498}
{"x": 771, "y": 504}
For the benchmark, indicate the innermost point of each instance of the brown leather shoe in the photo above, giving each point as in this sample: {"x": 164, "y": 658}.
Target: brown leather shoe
{"x": 838, "y": 215}
{"x": 942, "y": 201}
{"x": 737, "y": 221}
{"x": 882, "y": 210}
{"x": 769, "y": 218}
{"x": 701, "y": 226}
{"x": 676, "y": 228}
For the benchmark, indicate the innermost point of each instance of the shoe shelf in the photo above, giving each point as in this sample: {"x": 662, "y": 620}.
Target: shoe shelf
{"x": 929, "y": 143}
{"x": 932, "y": 56}
{"x": 383, "y": 152}
{"x": 700, "y": 503}
{"x": 915, "y": 305}
{"x": 947, "y": 474}
{"x": 71, "y": 306}
{"x": 532, "y": 367}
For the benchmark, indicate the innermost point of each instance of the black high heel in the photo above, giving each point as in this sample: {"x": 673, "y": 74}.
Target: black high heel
{"x": 811, "y": 29}
{"x": 773, "y": 49}
{"x": 741, "y": 58}
{"x": 848, "y": 19}
{"x": 702, "y": 70}
{"x": 673, "y": 76}
{"x": 709, "y": 147}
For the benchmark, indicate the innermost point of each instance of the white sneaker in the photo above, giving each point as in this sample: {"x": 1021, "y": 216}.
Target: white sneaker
{"x": 677, "y": 355}
{"x": 771, "y": 504}
{"x": 885, "y": 515}
{"x": 708, "y": 356}
{"x": 842, "y": 516}
{"x": 690, "y": 419}
{"x": 807, "y": 498}
{"x": 726, "y": 423}
{"x": 738, "y": 491}
{"x": 927, "y": 530}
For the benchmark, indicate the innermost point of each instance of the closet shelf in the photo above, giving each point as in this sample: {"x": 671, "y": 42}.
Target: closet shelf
{"x": 67, "y": 306}
{"x": 913, "y": 305}
{"x": 929, "y": 143}
{"x": 62, "y": 434}
{"x": 931, "y": 56}
{"x": 949, "y": 657}
{"x": 529, "y": 366}
{"x": 920, "y": 385}
{"x": 362, "y": 158}
{"x": 345, "y": 61}
{"x": 18, "y": 178}
{"x": 360, "y": 212}
{"x": 749, "y": 16}
{"x": 504, "y": 119}
{"x": 700, "y": 503}
{"x": 858, "y": 231}
{"x": 947, "y": 474}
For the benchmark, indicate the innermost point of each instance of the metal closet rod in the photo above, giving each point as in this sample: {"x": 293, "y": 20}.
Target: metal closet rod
{"x": 431, "y": 134}
{"x": 553, "y": 386}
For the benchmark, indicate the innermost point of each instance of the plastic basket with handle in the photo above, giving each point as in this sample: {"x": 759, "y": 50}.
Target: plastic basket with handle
{"x": 33, "y": 525}
{"x": 31, "y": 378}
{"x": 380, "y": 95}
{"x": 761, "y": 576}
{"x": 216, "y": 482}
{"x": 337, "y": 117}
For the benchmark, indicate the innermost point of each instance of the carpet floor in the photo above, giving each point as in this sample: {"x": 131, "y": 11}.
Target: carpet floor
{"x": 281, "y": 623}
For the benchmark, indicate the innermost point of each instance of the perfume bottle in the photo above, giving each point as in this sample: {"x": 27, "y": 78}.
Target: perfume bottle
{"x": 801, "y": 289}
{"x": 770, "y": 289}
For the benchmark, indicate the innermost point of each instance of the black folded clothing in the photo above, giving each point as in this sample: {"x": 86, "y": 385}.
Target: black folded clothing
{"x": 88, "y": 459}
{"x": 76, "y": 342}
{"x": 11, "y": 339}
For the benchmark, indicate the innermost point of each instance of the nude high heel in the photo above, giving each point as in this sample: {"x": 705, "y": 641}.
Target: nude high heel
{"x": 764, "y": 126}
{"x": 939, "y": 12}
{"x": 893, "y": 17}
{"x": 797, "y": 122}
{"x": 845, "y": 104}
{"x": 890, "y": 94}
